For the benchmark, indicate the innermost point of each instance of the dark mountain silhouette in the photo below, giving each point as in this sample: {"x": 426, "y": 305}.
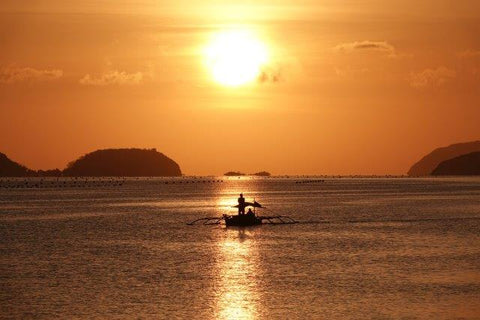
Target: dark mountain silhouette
{"x": 9, "y": 168}
{"x": 124, "y": 162}
{"x": 109, "y": 162}
{"x": 465, "y": 165}
{"x": 427, "y": 164}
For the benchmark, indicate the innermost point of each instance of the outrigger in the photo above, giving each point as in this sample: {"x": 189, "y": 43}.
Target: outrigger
{"x": 243, "y": 219}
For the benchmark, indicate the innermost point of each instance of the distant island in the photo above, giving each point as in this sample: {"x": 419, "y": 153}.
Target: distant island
{"x": 465, "y": 165}
{"x": 103, "y": 163}
{"x": 239, "y": 174}
{"x": 262, "y": 174}
{"x": 431, "y": 161}
{"x": 234, "y": 174}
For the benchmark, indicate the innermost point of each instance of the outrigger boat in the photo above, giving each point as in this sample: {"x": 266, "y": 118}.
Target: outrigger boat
{"x": 245, "y": 220}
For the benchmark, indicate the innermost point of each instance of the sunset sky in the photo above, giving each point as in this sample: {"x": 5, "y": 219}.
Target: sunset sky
{"x": 345, "y": 87}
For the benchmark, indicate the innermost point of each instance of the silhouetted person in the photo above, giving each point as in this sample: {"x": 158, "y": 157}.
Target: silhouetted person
{"x": 250, "y": 212}
{"x": 241, "y": 204}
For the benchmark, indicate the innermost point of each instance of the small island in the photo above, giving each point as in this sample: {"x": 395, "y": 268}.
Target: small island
{"x": 239, "y": 174}
{"x": 262, "y": 174}
{"x": 233, "y": 174}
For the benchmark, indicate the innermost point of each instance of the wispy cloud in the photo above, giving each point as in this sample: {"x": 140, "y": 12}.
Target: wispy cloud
{"x": 359, "y": 46}
{"x": 113, "y": 78}
{"x": 26, "y": 74}
{"x": 431, "y": 77}
{"x": 270, "y": 74}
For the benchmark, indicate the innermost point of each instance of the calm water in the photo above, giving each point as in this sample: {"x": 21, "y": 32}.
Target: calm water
{"x": 366, "y": 249}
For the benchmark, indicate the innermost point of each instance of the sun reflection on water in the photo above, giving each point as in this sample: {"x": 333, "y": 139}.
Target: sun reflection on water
{"x": 237, "y": 287}
{"x": 228, "y": 199}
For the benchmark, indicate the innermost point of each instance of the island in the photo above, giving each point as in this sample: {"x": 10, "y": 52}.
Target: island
{"x": 233, "y": 174}
{"x": 123, "y": 163}
{"x": 262, "y": 174}
{"x": 240, "y": 174}
{"x": 465, "y": 165}
{"x": 10, "y": 168}
{"x": 131, "y": 162}
{"x": 428, "y": 163}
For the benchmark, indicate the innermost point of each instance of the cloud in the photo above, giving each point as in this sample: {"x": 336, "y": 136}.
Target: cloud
{"x": 431, "y": 77}
{"x": 27, "y": 74}
{"x": 279, "y": 71}
{"x": 270, "y": 74}
{"x": 113, "y": 78}
{"x": 358, "y": 46}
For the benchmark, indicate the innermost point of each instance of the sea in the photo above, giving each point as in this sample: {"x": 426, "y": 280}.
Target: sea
{"x": 364, "y": 248}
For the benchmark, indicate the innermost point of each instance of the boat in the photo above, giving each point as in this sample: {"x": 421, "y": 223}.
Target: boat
{"x": 245, "y": 220}
{"x": 241, "y": 220}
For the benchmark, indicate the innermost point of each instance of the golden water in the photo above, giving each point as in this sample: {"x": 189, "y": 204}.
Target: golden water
{"x": 365, "y": 249}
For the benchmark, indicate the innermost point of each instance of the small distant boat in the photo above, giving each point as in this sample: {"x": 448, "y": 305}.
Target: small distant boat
{"x": 245, "y": 220}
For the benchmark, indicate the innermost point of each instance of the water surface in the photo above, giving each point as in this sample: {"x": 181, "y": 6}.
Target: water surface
{"x": 365, "y": 249}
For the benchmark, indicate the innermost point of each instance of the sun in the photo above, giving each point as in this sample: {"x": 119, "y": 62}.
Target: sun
{"x": 235, "y": 57}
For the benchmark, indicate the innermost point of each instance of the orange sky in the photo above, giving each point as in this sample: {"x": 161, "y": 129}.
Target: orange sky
{"x": 366, "y": 87}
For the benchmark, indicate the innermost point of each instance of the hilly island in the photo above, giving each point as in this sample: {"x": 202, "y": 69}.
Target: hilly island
{"x": 429, "y": 163}
{"x": 131, "y": 162}
{"x": 464, "y": 165}
{"x": 455, "y": 159}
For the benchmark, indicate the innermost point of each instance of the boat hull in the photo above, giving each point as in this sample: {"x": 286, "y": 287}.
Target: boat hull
{"x": 244, "y": 220}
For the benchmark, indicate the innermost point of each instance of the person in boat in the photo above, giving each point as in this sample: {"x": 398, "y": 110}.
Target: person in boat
{"x": 241, "y": 204}
{"x": 250, "y": 212}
